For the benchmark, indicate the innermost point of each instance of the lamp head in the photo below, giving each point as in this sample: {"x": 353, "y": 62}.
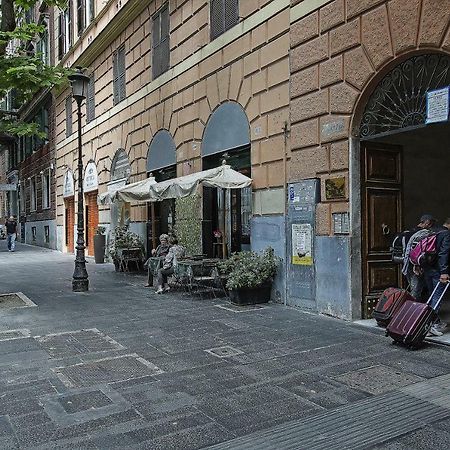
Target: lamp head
{"x": 79, "y": 82}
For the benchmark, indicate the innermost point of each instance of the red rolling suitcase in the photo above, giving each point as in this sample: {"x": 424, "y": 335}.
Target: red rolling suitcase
{"x": 389, "y": 303}
{"x": 413, "y": 320}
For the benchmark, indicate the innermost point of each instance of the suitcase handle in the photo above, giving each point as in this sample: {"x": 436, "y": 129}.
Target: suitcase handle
{"x": 440, "y": 285}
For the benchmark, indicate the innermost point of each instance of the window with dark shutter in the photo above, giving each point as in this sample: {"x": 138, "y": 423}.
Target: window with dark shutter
{"x": 90, "y": 101}
{"x": 81, "y": 16}
{"x": 224, "y": 14}
{"x": 119, "y": 70}
{"x": 61, "y": 35}
{"x": 69, "y": 21}
{"x": 161, "y": 42}
{"x": 68, "y": 116}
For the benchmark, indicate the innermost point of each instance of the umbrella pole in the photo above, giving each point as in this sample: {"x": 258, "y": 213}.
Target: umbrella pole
{"x": 225, "y": 236}
{"x": 152, "y": 212}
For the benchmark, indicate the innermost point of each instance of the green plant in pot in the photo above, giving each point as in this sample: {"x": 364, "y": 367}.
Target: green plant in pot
{"x": 99, "y": 245}
{"x": 123, "y": 239}
{"x": 250, "y": 276}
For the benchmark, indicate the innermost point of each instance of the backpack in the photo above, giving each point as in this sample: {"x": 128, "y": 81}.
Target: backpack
{"x": 398, "y": 247}
{"x": 425, "y": 251}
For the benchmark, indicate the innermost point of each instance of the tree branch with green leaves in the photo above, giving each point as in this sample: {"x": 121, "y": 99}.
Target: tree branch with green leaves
{"x": 23, "y": 71}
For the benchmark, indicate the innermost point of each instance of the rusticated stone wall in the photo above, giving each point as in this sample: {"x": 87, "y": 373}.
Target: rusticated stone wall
{"x": 339, "y": 51}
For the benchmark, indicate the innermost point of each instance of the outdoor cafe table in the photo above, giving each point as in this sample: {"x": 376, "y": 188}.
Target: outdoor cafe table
{"x": 191, "y": 268}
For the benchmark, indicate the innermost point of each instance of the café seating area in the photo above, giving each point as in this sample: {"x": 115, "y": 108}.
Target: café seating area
{"x": 197, "y": 275}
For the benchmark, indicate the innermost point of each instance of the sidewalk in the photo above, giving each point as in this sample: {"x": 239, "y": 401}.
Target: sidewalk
{"x": 120, "y": 367}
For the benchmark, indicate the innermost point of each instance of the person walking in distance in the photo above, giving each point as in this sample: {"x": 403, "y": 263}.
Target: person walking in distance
{"x": 11, "y": 233}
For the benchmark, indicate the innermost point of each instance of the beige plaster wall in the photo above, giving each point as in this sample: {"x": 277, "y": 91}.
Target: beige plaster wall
{"x": 250, "y": 66}
{"x": 340, "y": 49}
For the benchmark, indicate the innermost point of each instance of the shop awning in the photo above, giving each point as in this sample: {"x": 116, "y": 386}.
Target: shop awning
{"x": 111, "y": 194}
{"x": 220, "y": 177}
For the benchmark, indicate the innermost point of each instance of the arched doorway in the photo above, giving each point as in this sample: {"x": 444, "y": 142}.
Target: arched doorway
{"x": 161, "y": 163}
{"x": 403, "y": 165}
{"x": 120, "y": 175}
{"x": 227, "y": 137}
{"x": 90, "y": 188}
{"x": 69, "y": 211}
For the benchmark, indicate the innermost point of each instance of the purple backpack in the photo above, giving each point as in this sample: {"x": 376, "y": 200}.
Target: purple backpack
{"x": 425, "y": 252}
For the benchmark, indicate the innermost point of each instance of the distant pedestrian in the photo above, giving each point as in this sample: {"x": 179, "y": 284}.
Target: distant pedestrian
{"x": 11, "y": 233}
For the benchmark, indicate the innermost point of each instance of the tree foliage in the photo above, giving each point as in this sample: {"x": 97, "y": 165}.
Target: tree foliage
{"x": 21, "y": 70}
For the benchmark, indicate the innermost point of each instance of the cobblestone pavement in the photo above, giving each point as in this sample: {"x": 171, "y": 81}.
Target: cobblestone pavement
{"x": 120, "y": 367}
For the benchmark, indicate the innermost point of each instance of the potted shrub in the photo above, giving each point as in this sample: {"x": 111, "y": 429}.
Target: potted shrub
{"x": 99, "y": 245}
{"x": 250, "y": 276}
{"x": 123, "y": 239}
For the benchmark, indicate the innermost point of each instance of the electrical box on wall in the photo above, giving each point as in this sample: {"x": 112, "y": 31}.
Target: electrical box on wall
{"x": 302, "y": 200}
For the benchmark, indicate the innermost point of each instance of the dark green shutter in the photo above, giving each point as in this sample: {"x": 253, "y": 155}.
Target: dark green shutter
{"x": 116, "y": 78}
{"x": 165, "y": 42}
{"x": 122, "y": 71}
{"x": 80, "y": 16}
{"x": 224, "y": 14}
{"x": 61, "y": 35}
{"x": 68, "y": 116}
{"x": 231, "y": 13}
{"x": 90, "y": 101}
{"x": 156, "y": 36}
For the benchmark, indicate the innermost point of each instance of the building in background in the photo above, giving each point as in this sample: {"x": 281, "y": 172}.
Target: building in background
{"x": 35, "y": 156}
{"x": 27, "y": 186}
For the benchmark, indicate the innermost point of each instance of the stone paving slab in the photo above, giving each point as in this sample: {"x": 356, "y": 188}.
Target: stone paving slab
{"x": 172, "y": 392}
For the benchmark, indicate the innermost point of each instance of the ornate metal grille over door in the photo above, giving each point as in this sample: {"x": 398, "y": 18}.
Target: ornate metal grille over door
{"x": 399, "y": 101}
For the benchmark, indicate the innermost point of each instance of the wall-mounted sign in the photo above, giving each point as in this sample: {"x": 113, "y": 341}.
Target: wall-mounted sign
{"x": 332, "y": 128}
{"x": 90, "y": 177}
{"x": 335, "y": 188}
{"x": 302, "y": 244}
{"x": 341, "y": 223}
{"x": 438, "y": 105}
{"x": 68, "y": 186}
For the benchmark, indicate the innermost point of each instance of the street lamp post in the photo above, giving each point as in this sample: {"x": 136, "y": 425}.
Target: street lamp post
{"x": 80, "y": 280}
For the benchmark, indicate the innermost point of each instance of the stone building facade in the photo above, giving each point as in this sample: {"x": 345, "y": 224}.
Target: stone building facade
{"x": 304, "y": 74}
{"x": 353, "y": 63}
{"x": 247, "y": 65}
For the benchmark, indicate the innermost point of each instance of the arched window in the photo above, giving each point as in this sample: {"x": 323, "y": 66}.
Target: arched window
{"x": 227, "y": 129}
{"x": 161, "y": 151}
{"x": 400, "y": 99}
{"x": 120, "y": 167}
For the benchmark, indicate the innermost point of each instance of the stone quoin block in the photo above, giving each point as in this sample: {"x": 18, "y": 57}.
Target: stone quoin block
{"x": 376, "y": 36}
{"x": 345, "y": 37}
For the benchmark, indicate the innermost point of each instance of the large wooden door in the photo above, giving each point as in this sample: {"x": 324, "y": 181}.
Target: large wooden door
{"x": 91, "y": 218}
{"x": 70, "y": 224}
{"x": 381, "y": 219}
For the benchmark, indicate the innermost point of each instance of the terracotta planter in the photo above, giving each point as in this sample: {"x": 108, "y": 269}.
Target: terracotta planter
{"x": 251, "y": 296}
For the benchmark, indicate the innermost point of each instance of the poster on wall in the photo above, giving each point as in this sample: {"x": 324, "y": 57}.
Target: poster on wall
{"x": 438, "y": 105}
{"x": 302, "y": 244}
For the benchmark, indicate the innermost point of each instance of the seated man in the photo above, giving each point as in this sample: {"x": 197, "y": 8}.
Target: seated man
{"x": 160, "y": 251}
{"x": 175, "y": 252}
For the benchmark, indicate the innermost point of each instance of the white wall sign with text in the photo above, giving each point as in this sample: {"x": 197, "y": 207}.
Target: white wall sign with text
{"x": 68, "y": 186}
{"x": 438, "y": 105}
{"x": 90, "y": 177}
